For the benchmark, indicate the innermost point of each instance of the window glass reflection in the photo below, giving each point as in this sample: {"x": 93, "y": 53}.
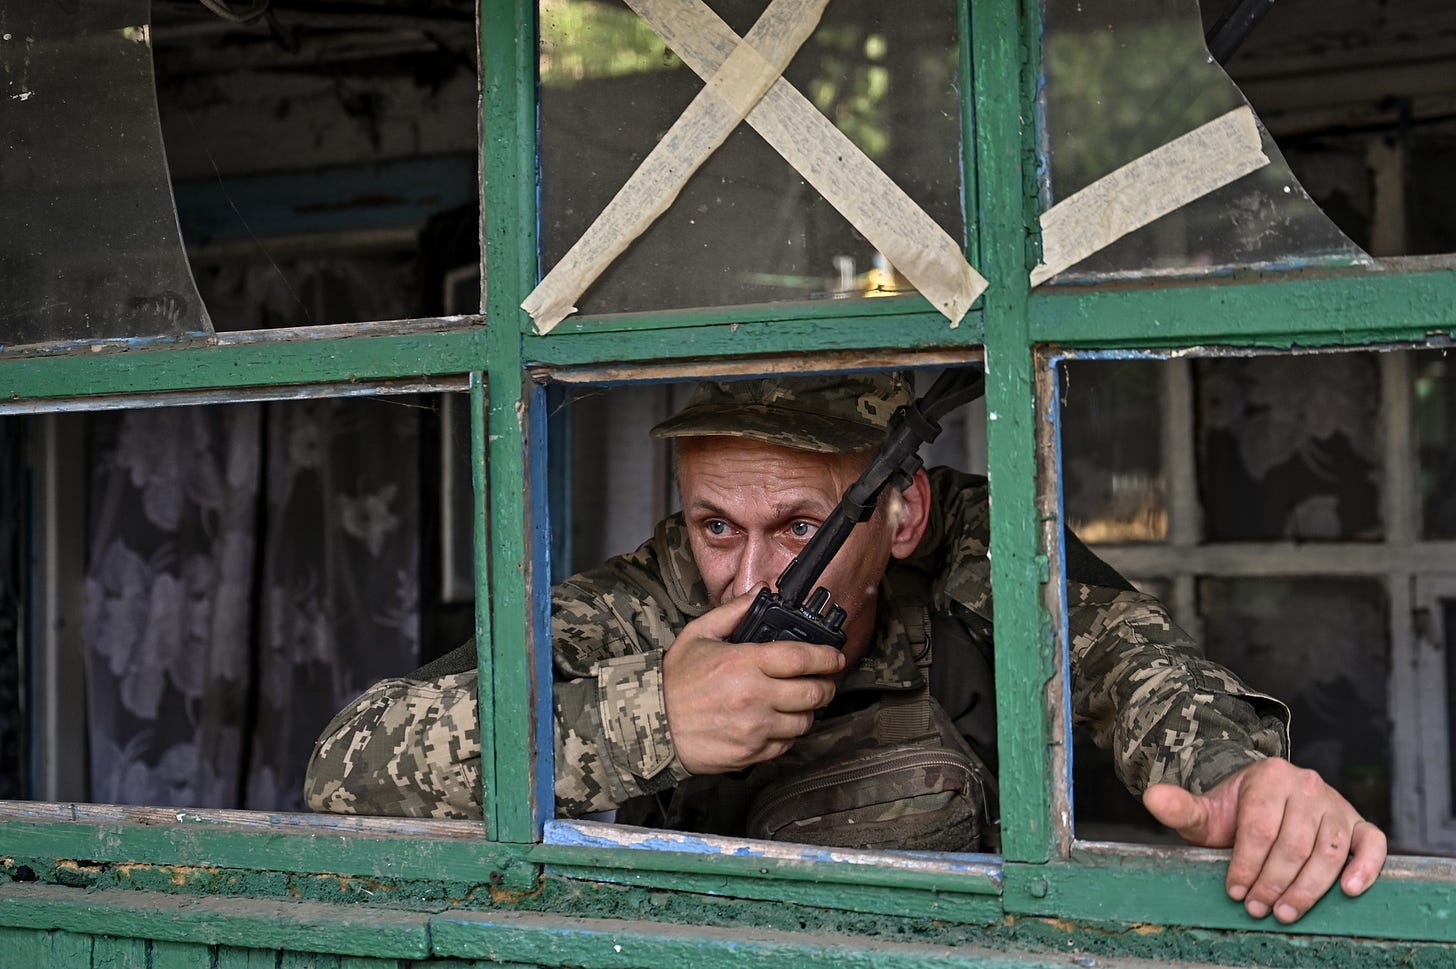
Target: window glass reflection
{"x": 1123, "y": 81}
{"x": 324, "y": 158}
{"x": 747, "y": 228}
{"x": 89, "y": 246}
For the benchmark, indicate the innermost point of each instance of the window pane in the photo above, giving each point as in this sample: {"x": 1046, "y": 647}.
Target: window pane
{"x": 1321, "y": 645}
{"x": 238, "y": 573}
{"x": 1121, "y": 84}
{"x": 1289, "y": 447}
{"x": 664, "y": 567}
{"x": 747, "y": 228}
{"x": 89, "y": 246}
{"x": 1112, "y": 454}
{"x": 346, "y": 134}
{"x": 252, "y": 569}
{"x": 1434, "y": 408}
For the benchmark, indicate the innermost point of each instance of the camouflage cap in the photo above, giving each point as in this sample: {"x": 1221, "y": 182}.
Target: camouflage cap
{"x": 828, "y": 413}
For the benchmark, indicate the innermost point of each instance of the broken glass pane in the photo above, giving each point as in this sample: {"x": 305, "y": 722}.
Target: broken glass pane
{"x": 89, "y": 246}
{"x": 324, "y": 133}
{"x": 1120, "y": 84}
{"x": 746, "y": 228}
{"x": 1380, "y": 166}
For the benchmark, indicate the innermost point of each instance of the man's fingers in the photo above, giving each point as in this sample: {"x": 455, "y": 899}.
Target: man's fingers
{"x": 800, "y": 694}
{"x": 730, "y": 705}
{"x": 791, "y": 659}
{"x": 1327, "y": 855}
{"x": 789, "y": 726}
{"x": 1268, "y": 854}
{"x": 1292, "y": 836}
{"x": 1367, "y": 846}
{"x": 719, "y": 623}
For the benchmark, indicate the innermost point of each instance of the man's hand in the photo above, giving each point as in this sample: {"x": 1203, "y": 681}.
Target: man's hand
{"x": 1291, "y": 833}
{"x": 731, "y": 705}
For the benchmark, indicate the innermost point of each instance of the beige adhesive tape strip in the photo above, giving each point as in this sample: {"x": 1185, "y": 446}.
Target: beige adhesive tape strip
{"x": 731, "y": 93}
{"x": 868, "y": 199}
{"x": 1148, "y": 188}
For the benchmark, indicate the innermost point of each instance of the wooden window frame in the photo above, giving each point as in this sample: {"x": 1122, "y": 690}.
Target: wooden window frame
{"x": 1044, "y": 872}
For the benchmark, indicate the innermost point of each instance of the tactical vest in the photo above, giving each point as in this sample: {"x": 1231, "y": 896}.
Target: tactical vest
{"x": 888, "y": 770}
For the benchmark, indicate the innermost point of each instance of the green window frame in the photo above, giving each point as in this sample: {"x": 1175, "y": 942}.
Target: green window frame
{"x": 1044, "y": 871}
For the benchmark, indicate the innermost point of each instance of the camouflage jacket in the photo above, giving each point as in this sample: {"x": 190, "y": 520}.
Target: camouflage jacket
{"x": 411, "y": 745}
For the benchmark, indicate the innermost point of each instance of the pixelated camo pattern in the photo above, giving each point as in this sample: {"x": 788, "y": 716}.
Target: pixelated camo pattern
{"x": 1169, "y": 715}
{"x": 827, "y": 413}
{"x": 1138, "y": 682}
{"x": 404, "y": 748}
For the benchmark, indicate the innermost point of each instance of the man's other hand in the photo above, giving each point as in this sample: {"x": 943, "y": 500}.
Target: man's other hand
{"x": 1292, "y": 835}
{"x": 732, "y": 705}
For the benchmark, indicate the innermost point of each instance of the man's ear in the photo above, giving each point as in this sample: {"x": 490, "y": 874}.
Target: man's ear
{"x": 914, "y": 518}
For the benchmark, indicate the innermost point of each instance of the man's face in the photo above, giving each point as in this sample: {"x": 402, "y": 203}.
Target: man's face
{"x": 751, "y": 507}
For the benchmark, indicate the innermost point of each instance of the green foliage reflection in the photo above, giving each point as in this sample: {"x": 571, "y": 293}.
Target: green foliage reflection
{"x": 1116, "y": 93}
{"x": 582, "y": 40}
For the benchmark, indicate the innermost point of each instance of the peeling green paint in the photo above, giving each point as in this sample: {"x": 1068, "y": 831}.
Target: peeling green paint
{"x": 324, "y": 359}
{"x": 163, "y": 895}
{"x": 634, "y": 928}
{"x": 1276, "y": 311}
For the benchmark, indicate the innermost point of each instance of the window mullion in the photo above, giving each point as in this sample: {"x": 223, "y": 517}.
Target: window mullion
{"x": 1180, "y": 464}
{"x": 1003, "y": 98}
{"x": 516, "y": 698}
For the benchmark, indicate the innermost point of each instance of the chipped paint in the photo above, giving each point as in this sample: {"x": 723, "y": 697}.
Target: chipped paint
{"x": 594, "y": 834}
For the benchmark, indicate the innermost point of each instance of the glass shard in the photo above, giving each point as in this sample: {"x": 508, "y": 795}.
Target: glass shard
{"x": 89, "y": 245}
{"x": 1120, "y": 84}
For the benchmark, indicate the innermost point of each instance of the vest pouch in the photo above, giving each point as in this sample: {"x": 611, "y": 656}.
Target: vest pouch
{"x": 850, "y": 783}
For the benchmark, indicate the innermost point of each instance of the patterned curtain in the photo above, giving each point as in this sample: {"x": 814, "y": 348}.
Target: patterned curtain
{"x": 252, "y": 567}
{"x": 174, "y": 510}
{"x": 340, "y": 585}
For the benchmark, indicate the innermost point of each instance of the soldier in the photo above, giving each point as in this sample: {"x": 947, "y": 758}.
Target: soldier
{"x": 657, "y": 716}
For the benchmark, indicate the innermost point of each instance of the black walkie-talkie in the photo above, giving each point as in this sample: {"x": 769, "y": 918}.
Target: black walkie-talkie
{"x": 785, "y": 615}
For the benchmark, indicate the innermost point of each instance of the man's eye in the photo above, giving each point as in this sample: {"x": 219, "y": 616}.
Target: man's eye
{"x": 716, "y": 527}
{"x": 802, "y": 529}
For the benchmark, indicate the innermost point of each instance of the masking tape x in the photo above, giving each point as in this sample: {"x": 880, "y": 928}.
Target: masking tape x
{"x": 744, "y": 82}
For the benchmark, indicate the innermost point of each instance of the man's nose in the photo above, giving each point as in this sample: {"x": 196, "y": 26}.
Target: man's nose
{"x": 761, "y": 562}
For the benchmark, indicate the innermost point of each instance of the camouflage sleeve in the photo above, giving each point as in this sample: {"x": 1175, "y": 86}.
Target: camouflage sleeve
{"x": 1138, "y": 681}
{"x": 612, "y": 741}
{"x": 1167, "y": 714}
{"x": 406, "y": 748}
